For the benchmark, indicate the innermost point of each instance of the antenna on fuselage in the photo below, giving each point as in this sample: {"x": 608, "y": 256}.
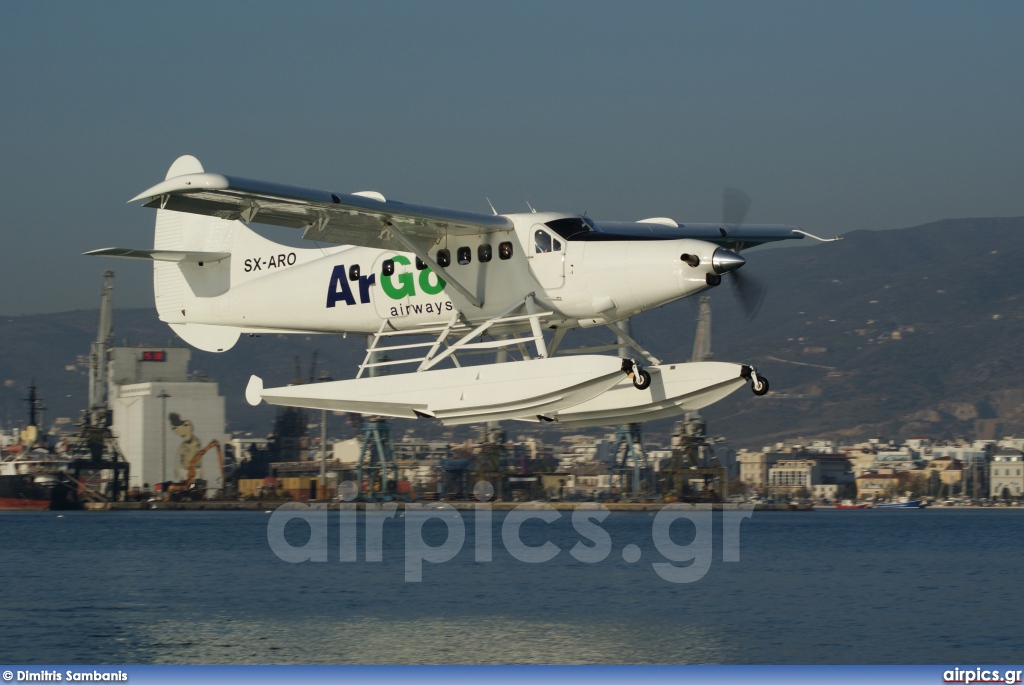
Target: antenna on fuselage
{"x": 492, "y": 206}
{"x": 532, "y": 210}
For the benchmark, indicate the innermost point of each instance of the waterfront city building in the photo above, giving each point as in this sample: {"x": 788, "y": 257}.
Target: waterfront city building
{"x": 1007, "y": 477}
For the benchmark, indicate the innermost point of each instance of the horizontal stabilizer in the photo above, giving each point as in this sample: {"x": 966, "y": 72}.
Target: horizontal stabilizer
{"x": 160, "y": 255}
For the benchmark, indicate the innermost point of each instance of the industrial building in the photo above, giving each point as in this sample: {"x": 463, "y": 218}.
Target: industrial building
{"x": 168, "y": 427}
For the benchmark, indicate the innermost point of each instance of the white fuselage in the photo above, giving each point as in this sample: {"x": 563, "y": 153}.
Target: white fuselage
{"x": 264, "y": 286}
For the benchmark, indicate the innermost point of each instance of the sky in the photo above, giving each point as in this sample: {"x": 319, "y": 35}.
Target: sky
{"x": 830, "y": 116}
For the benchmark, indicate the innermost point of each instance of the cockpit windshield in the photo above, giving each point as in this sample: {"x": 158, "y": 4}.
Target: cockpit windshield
{"x": 574, "y": 226}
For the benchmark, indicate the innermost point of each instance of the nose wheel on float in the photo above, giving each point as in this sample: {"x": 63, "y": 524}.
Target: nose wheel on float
{"x": 758, "y": 384}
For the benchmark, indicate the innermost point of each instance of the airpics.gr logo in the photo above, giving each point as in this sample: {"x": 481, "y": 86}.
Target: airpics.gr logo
{"x": 676, "y": 563}
{"x": 340, "y": 290}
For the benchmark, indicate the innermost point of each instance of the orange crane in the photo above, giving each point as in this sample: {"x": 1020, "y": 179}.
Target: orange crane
{"x": 187, "y": 489}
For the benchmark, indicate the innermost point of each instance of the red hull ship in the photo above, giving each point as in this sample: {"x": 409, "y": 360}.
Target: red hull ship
{"x": 19, "y": 493}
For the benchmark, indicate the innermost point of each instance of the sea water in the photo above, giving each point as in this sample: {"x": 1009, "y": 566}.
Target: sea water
{"x": 823, "y": 587}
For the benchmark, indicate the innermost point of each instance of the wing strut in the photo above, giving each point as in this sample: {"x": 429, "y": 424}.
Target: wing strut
{"x": 464, "y": 342}
{"x": 538, "y": 334}
{"x": 626, "y": 338}
{"x": 425, "y": 258}
{"x": 597, "y": 349}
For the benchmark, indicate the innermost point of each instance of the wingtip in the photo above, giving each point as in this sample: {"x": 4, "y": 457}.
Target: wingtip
{"x": 102, "y": 252}
{"x": 254, "y": 390}
{"x": 148, "y": 193}
{"x": 803, "y": 233}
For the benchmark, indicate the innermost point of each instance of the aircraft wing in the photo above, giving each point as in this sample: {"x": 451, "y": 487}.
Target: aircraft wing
{"x": 344, "y": 219}
{"x": 734, "y": 237}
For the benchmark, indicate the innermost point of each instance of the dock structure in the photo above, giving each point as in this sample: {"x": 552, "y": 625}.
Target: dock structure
{"x": 377, "y": 468}
{"x": 693, "y": 461}
{"x": 632, "y": 473}
{"x": 98, "y": 455}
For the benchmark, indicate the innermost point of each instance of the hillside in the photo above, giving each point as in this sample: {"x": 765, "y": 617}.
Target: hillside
{"x": 893, "y": 333}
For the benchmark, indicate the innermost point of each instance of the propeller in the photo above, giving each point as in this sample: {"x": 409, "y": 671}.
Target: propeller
{"x": 748, "y": 290}
{"x": 735, "y": 205}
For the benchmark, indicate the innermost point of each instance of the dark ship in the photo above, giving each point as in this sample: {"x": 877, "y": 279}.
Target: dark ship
{"x": 33, "y": 479}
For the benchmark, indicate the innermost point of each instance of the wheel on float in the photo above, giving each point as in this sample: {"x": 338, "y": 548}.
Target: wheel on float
{"x": 641, "y": 380}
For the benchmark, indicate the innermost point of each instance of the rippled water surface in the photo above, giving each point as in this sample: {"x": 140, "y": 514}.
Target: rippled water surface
{"x": 928, "y": 586}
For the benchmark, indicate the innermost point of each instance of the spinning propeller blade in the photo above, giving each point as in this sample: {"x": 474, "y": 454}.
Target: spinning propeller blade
{"x": 735, "y": 205}
{"x": 748, "y": 290}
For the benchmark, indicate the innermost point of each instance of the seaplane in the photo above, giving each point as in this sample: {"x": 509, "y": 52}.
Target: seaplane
{"x": 432, "y": 289}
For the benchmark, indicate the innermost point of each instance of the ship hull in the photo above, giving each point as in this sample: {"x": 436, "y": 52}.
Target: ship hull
{"x": 899, "y": 505}
{"x": 22, "y": 493}
{"x": 19, "y": 504}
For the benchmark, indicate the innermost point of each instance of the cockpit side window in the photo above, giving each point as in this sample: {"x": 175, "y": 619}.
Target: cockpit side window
{"x": 542, "y": 240}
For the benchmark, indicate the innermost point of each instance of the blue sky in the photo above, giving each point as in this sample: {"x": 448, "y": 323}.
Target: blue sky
{"x": 831, "y": 116}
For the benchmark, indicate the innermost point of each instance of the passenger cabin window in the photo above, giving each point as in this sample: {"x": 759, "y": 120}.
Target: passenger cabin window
{"x": 505, "y": 250}
{"x": 465, "y": 255}
{"x": 420, "y": 264}
{"x": 353, "y": 272}
{"x": 389, "y": 267}
{"x": 444, "y": 258}
{"x": 483, "y": 253}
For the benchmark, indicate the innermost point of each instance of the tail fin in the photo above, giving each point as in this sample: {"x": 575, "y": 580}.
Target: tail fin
{"x": 192, "y": 267}
{"x": 176, "y": 283}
